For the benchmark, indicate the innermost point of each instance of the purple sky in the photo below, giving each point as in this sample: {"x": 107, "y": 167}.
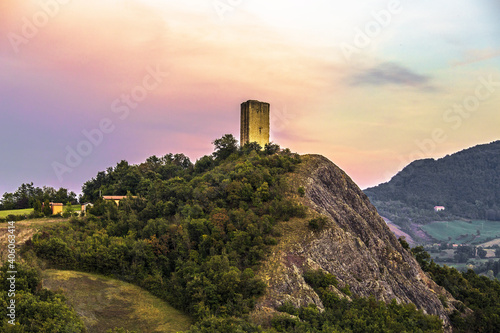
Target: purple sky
{"x": 372, "y": 85}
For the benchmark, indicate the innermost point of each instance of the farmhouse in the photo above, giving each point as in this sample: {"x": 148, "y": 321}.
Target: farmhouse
{"x": 115, "y": 198}
{"x": 57, "y": 208}
{"x": 85, "y": 206}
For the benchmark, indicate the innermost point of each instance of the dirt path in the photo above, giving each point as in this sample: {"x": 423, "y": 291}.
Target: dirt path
{"x": 398, "y": 232}
{"x": 422, "y": 235}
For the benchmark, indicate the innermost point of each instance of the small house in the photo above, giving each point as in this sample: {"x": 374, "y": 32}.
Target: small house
{"x": 115, "y": 198}
{"x": 438, "y": 208}
{"x": 57, "y": 208}
{"x": 86, "y": 206}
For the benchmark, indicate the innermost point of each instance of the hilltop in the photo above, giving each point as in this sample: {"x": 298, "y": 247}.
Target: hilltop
{"x": 253, "y": 240}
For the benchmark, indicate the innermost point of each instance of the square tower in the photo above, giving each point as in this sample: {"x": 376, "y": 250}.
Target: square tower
{"x": 254, "y": 122}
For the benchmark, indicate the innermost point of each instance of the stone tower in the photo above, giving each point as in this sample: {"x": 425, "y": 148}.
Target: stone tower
{"x": 254, "y": 122}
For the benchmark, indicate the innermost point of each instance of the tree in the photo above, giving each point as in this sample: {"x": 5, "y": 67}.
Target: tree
{"x": 23, "y": 195}
{"x": 182, "y": 161}
{"x": 68, "y": 210}
{"x": 481, "y": 252}
{"x": 225, "y": 146}
{"x": 8, "y": 201}
{"x": 271, "y": 148}
{"x": 251, "y": 146}
{"x": 37, "y": 208}
{"x": 47, "y": 211}
{"x": 421, "y": 256}
{"x": 404, "y": 243}
{"x": 204, "y": 164}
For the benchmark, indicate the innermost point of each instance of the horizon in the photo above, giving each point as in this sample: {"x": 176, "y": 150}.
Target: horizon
{"x": 372, "y": 86}
{"x": 78, "y": 192}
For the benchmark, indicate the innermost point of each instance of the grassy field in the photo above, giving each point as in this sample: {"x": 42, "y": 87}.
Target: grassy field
{"x": 5, "y": 213}
{"x": 105, "y": 303}
{"x": 463, "y": 232}
{"x": 463, "y": 266}
{"x": 491, "y": 243}
{"x": 24, "y": 231}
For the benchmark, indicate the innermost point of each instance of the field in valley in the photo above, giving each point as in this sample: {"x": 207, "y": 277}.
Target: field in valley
{"x": 463, "y": 232}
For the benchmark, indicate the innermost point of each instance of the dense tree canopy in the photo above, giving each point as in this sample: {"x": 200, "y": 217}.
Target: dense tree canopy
{"x": 193, "y": 234}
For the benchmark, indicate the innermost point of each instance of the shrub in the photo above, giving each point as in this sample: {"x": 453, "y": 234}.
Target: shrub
{"x": 318, "y": 223}
{"x": 301, "y": 191}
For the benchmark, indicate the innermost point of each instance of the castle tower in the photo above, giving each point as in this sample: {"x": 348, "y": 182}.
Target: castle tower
{"x": 254, "y": 122}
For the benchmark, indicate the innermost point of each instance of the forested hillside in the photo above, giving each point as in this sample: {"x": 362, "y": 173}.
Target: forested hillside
{"x": 466, "y": 183}
{"x": 194, "y": 234}
{"x": 197, "y": 234}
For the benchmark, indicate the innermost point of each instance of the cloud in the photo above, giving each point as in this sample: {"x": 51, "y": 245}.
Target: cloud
{"x": 473, "y": 56}
{"x": 390, "y": 73}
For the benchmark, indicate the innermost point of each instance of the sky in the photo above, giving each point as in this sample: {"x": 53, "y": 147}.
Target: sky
{"x": 372, "y": 85}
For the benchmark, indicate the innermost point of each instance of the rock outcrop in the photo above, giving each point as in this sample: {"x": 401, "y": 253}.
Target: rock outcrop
{"x": 355, "y": 245}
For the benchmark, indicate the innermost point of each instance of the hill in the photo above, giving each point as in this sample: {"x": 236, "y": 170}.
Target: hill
{"x": 251, "y": 240}
{"x": 466, "y": 183}
{"x": 249, "y": 236}
{"x": 354, "y": 244}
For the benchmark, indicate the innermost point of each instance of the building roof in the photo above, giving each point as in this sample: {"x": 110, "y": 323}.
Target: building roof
{"x": 115, "y": 197}
{"x": 56, "y": 204}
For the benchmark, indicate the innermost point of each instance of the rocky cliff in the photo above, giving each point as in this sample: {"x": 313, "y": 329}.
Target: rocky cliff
{"x": 355, "y": 245}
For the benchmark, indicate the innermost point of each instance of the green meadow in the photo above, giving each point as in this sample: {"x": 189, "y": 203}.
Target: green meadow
{"x": 104, "y": 303}
{"x": 5, "y": 213}
{"x": 27, "y": 211}
{"x": 463, "y": 232}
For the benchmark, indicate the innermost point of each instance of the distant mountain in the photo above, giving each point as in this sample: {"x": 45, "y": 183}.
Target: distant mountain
{"x": 466, "y": 183}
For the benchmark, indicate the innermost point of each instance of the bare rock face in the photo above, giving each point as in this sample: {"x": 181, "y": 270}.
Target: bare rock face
{"x": 356, "y": 246}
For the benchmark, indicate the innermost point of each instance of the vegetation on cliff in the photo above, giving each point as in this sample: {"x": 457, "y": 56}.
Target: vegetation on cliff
{"x": 356, "y": 315}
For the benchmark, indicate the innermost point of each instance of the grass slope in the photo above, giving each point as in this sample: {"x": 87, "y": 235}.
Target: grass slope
{"x": 5, "y": 213}
{"x": 463, "y": 232}
{"x": 105, "y": 303}
{"x": 24, "y": 230}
